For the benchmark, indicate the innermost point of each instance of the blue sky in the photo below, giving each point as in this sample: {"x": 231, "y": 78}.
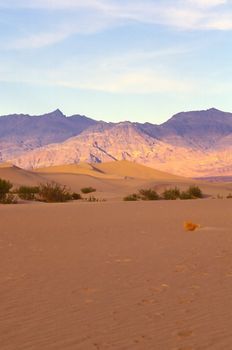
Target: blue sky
{"x": 115, "y": 59}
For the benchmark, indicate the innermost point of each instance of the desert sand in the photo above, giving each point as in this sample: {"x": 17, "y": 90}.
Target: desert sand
{"x": 18, "y": 176}
{"x": 115, "y": 275}
{"x": 112, "y": 180}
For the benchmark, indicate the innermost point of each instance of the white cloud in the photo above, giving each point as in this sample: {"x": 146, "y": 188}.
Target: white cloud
{"x": 85, "y": 26}
{"x": 144, "y": 82}
{"x": 56, "y": 4}
{"x": 206, "y": 3}
{"x": 38, "y": 40}
{"x": 218, "y": 23}
{"x": 104, "y": 4}
{"x": 98, "y": 15}
{"x": 124, "y": 73}
{"x": 140, "y": 82}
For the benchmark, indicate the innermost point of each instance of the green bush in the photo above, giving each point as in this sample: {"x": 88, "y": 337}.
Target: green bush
{"x": 53, "y": 192}
{"x": 88, "y": 190}
{"x": 76, "y": 196}
{"x": 171, "y": 194}
{"x": 149, "y": 195}
{"x": 195, "y": 192}
{"x": 28, "y": 192}
{"x": 5, "y": 187}
{"x": 131, "y": 197}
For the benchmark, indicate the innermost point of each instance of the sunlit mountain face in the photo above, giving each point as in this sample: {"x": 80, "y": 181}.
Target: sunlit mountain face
{"x": 197, "y": 143}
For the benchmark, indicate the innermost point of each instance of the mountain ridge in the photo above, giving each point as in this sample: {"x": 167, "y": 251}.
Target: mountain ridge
{"x": 188, "y": 144}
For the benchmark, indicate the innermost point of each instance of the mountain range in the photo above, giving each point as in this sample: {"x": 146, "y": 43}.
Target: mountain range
{"x": 195, "y": 144}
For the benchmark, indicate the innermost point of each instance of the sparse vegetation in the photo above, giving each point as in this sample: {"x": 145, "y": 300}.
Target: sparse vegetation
{"x": 76, "y": 196}
{"x": 192, "y": 192}
{"x": 5, "y": 187}
{"x": 144, "y": 194}
{"x": 53, "y": 192}
{"x": 171, "y": 194}
{"x": 87, "y": 190}
{"x": 9, "y": 198}
{"x": 50, "y": 192}
{"x": 132, "y": 197}
{"x": 229, "y": 196}
{"x": 94, "y": 199}
{"x": 28, "y": 192}
{"x": 186, "y": 195}
{"x": 5, "y": 196}
{"x": 149, "y": 195}
{"x": 195, "y": 192}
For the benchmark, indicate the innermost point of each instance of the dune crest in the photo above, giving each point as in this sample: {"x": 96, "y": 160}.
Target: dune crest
{"x": 113, "y": 169}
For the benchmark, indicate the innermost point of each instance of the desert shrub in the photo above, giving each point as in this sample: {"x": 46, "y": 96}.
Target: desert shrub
{"x": 53, "y": 192}
{"x": 5, "y": 187}
{"x": 229, "y": 196}
{"x": 192, "y": 192}
{"x": 92, "y": 199}
{"x": 148, "y": 195}
{"x": 76, "y": 196}
{"x": 9, "y": 198}
{"x": 88, "y": 190}
{"x": 5, "y": 196}
{"x": 195, "y": 192}
{"x": 131, "y": 197}
{"x": 171, "y": 194}
{"x": 28, "y": 192}
{"x": 186, "y": 195}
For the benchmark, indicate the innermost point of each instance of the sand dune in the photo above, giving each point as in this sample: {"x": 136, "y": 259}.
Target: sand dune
{"x": 115, "y": 169}
{"x": 112, "y": 180}
{"x": 87, "y": 276}
{"x": 19, "y": 176}
{"x": 125, "y": 168}
{"x": 80, "y": 169}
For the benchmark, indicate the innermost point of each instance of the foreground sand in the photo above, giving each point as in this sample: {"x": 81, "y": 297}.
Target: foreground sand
{"x": 116, "y": 276}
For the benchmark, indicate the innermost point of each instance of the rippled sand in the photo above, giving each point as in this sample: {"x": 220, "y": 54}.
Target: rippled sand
{"x": 116, "y": 276}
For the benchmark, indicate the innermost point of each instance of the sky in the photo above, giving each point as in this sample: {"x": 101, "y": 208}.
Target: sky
{"x": 114, "y": 60}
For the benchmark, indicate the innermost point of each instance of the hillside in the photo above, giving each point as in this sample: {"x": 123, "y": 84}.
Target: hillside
{"x": 20, "y": 133}
{"x": 125, "y": 141}
{"x": 207, "y": 129}
{"x": 194, "y": 144}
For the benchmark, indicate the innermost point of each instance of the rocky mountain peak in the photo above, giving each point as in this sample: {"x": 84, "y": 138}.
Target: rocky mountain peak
{"x": 54, "y": 114}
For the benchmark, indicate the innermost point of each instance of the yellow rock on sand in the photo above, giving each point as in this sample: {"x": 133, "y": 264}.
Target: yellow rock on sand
{"x": 190, "y": 226}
